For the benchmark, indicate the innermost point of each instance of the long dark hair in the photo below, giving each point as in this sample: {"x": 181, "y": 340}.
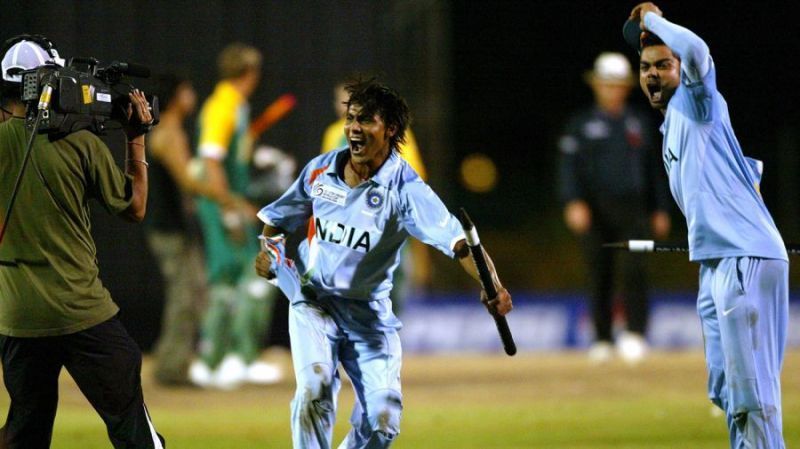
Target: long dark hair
{"x": 375, "y": 97}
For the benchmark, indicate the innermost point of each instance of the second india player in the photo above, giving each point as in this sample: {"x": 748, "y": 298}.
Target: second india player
{"x": 743, "y": 298}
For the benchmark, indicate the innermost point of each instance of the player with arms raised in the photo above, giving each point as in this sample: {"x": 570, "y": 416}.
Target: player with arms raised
{"x": 743, "y": 296}
{"x": 360, "y": 203}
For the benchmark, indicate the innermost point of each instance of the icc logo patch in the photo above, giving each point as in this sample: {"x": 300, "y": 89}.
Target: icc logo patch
{"x": 374, "y": 199}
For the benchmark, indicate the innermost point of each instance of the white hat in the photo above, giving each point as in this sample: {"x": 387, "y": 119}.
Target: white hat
{"x": 24, "y": 55}
{"x": 611, "y": 67}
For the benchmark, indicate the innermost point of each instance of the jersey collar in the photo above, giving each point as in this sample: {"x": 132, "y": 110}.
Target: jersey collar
{"x": 382, "y": 177}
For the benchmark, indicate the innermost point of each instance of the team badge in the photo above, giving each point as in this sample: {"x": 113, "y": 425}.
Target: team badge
{"x": 374, "y": 199}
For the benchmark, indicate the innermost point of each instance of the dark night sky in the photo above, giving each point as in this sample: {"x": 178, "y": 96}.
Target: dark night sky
{"x": 513, "y": 73}
{"x": 518, "y": 72}
{"x": 516, "y": 67}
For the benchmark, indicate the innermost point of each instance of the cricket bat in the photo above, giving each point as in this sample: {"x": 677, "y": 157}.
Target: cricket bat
{"x": 273, "y": 113}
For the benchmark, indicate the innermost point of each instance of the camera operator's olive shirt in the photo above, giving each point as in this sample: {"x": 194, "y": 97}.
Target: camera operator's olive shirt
{"x": 49, "y": 282}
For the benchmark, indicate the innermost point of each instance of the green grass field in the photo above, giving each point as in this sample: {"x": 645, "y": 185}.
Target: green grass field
{"x": 534, "y": 400}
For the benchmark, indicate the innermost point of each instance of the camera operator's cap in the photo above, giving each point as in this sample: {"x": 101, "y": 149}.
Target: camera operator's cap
{"x": 612, "y": 68}
{"x": 24, "y": 55}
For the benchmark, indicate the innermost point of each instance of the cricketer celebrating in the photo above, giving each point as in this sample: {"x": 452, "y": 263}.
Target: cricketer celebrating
{"x": 361, "y": 202}
{"x": 743, "y": 293}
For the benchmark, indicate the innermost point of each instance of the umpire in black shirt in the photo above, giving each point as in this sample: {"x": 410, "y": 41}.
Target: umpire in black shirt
{"x": 611, "y": 185}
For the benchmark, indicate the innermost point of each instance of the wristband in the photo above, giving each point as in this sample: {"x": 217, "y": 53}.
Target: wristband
{"x": 141, "y": 129}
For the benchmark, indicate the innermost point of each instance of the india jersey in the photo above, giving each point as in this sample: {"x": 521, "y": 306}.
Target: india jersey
{"x": 355, "y": 233}
{"x": 714, "y": 184}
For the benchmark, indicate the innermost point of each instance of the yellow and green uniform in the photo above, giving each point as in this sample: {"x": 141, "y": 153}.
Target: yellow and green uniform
{"x": 223, "y": 135}
{"x": 49, "y": 279}
{"x": 239, "y": 301}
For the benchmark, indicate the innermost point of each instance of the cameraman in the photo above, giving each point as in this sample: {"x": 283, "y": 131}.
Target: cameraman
{"x": 54, "y": 311}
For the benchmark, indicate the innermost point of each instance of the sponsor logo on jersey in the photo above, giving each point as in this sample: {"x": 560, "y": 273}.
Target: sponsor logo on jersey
{"x": 341, "y": 234}
{"x": 329, "y": 193}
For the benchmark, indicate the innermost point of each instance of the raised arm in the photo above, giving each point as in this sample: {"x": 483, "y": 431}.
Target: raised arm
{"x": 135, "y": 161}
{"x": 688, "y": 46}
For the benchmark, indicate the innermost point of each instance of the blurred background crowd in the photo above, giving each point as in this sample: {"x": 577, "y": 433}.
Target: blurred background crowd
{"x": 492, "y": 87}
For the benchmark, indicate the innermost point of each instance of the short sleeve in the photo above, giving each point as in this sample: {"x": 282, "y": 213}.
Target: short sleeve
{"x": 107, "y": 183}
{"x": 294, "y": 207}
{"x": 427, "y": 219}
{"x": 217, "y": 124}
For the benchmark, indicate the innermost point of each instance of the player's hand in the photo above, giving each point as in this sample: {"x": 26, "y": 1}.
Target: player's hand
{"x": 641, "y": 9}
{"x": 578, "y": 216}
{"x": 500, "y": 305}
{"x": 263, "y": 264}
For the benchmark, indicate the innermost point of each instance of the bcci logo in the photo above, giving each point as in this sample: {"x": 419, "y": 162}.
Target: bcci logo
{"x": 374, "y": 199}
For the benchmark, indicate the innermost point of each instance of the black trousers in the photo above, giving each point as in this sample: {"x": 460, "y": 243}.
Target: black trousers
{"x": 105, "y": 363}
{"x": 622, "y": 219}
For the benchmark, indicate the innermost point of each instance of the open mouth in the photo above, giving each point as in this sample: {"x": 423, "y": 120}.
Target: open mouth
{"x": 654, "y": 89}
{"x": 356, "y": 146}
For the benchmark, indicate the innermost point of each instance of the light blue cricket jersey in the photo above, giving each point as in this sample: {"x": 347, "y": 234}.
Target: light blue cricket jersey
{"x": 714, "y": 184}
{"x": 355, "y": 234}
